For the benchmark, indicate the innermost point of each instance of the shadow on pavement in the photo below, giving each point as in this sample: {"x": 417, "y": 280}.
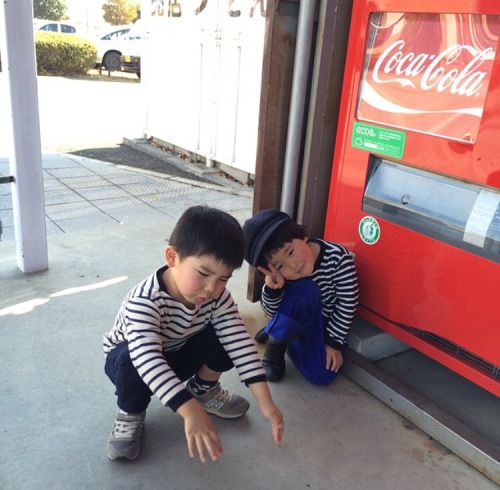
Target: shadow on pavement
{"x": 130, "y": 157}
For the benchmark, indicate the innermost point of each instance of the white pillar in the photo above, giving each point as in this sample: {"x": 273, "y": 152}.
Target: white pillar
{"x": 26, "y": 157}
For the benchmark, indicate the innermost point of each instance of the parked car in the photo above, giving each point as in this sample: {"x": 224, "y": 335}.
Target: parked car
{"x": 110, "y": 45}
{"x": 53, "y": 26}
{"x": 108, "y": 52}
{"x": 131, "y": 64}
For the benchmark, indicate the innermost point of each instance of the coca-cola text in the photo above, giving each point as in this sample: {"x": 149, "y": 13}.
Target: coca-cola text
{"x": 429, "y": 69}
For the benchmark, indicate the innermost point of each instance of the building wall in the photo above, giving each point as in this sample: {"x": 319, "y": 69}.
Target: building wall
{"x": 201, "y": 73}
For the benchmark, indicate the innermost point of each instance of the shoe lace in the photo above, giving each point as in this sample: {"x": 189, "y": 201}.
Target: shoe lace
{"x": 222, "y": 395}
{"x": 126, "y": 428}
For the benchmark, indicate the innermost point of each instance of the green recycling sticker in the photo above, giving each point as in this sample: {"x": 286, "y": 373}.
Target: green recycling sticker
{"x": 383, "y": 141}
{"x": 369, "y": 230}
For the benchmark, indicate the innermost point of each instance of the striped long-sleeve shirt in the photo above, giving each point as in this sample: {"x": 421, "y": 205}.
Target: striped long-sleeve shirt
{"x": 152, "y": 322}
{"x": 335, "y": 274}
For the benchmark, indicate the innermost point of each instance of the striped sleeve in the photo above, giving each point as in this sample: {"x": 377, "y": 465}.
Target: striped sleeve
{"x": 235, "y": 338}
{"x": 270, "y": 300}
{"x": 337, "y": 279}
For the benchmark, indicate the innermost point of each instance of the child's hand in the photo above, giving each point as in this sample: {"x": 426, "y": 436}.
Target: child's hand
{"x": 274, "y": 279}
{"x": 269, "y": 409}
{"x": 272, "y": 413}
{"x": 201, "y": 434}
{"x": 334, "y": 359}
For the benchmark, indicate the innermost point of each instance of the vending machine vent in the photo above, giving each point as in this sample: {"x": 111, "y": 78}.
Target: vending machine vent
{"x": 457, "y": 351}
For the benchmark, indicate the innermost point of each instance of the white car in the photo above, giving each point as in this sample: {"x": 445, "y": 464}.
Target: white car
{"x": 53, "y": 26}
{"x": 110, "y": 45}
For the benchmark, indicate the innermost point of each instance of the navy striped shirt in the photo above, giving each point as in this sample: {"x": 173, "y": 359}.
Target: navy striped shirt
{"x": 151, "y": 321}
{"x": 335, "y": 274}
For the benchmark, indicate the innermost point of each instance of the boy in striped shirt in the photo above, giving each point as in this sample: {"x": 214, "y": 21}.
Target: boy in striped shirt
{"x": 310, "y": 293}
{"x": 181, "y": 324}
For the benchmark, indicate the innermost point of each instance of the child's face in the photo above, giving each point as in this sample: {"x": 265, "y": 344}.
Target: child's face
{"x": 294, "y": 260}
{"x": 195, "y": 280}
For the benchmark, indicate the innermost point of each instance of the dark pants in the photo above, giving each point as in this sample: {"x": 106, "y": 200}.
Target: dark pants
{"x": 134, "y": 395}
{"x": 299, "y": 322}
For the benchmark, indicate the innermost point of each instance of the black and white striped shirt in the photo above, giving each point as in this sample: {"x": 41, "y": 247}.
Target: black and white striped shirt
{"x": 151, "y": 321}
{"x": 335, "y": 274}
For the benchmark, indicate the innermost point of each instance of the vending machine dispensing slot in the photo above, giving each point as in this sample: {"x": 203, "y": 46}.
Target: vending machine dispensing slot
{"x": 455, "y": 211}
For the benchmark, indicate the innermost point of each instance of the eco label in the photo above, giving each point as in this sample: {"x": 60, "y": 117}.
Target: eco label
{"x": 369, "y": 230}
{"x": 383, "y": 141}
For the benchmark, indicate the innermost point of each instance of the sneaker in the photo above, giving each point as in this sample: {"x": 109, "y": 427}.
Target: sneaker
{"x": 220, "y": 402}
{"x": 125, "y": 438}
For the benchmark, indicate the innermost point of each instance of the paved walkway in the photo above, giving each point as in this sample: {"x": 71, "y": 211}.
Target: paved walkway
{"x": 83, "y": 194}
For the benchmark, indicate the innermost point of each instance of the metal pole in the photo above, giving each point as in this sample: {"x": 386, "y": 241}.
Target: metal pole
{"x": 297, "y": 104}
{"x": 26, "y": 157}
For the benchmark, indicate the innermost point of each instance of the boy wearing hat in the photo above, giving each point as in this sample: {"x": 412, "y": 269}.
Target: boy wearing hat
{"x": 310, "y": 293}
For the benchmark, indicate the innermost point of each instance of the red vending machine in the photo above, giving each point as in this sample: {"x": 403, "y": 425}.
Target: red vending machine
{"x": 416, "y": 175}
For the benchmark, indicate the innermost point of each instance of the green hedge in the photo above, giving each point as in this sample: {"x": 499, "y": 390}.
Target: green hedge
{"x": 63, "y": 54}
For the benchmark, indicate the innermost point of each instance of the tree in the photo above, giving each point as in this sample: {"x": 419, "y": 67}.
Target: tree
{"x": 118, "y": 12}
{"x": 49, "y": 9}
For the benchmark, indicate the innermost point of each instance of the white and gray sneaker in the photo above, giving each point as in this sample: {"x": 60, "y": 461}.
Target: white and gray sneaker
{"x": 125, "y": 438}
{"x": 220, "y": 402}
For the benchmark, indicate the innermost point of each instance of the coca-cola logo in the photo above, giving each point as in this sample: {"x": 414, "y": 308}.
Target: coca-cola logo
{"x": 433, "y": 71}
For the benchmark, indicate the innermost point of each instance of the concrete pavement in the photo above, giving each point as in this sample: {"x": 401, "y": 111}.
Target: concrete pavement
{"x": 107, "y": 228}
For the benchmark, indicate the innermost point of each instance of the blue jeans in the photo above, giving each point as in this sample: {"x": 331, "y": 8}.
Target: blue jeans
{"x": 134, "y": 395}
{"x": 299, "y": 322}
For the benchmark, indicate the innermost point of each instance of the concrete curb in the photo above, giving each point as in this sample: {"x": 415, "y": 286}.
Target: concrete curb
{"x": 481, "y": 453}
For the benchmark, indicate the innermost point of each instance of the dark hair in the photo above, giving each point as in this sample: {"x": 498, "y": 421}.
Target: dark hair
{"x": 202, "y": 230}
{"x": 285, "y": 233}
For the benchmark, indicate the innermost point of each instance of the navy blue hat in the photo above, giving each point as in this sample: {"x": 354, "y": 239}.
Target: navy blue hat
{"x": 258, "y": 230}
